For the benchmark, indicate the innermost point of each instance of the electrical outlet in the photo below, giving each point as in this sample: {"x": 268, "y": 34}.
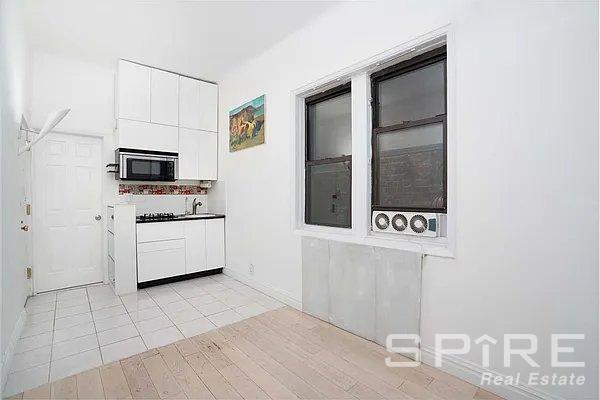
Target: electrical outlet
{"x": 251, "y": 269}
{"x": 28, "y": 272}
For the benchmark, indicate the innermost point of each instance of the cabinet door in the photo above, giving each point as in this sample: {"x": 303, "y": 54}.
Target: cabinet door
{"x": 189, "y": 154}
{"x": 133, "y": 91}
{"x": 159, "y": 231}
{"x": 147, "y": 136}
{"x": 164, "y": 97}
{"x": 208, "y": 106}
{"x": 197, "y": 154}
{"x": 189, "y": 103}
{"x": 163, "y": 259}
{"x": 207, "y": 144}
{"x": 195, "y": 246}
{"x": 215, "y": 243}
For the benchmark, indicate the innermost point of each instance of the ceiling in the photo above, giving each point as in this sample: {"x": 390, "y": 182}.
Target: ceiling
{"x": 198, "y": 38}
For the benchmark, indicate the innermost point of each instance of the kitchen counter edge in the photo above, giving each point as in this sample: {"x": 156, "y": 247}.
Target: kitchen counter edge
{"x": 190, "y": 218}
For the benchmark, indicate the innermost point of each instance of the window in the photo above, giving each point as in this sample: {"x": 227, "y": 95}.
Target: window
{"x": 328, "y": 163}
{"x": 409, "y": 135}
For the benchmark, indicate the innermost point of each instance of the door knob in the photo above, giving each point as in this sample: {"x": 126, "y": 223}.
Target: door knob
{"x": 24, "y": 227}
{"x": 98, "y": 217}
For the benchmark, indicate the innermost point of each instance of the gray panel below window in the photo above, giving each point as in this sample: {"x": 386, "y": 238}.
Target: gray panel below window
{"x": 369, "y": 291}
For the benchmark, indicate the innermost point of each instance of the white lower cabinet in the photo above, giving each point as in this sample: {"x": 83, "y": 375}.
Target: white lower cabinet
{"x": 162, "y": 259}
{"x": 195, "y": 246}
{"x": 215, "y": 243}
{"x": 167, "y": 249}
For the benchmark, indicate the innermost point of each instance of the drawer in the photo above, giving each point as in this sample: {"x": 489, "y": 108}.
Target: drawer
{"x": 163, "y": 259}
{"x": 155, "y": 231}
{"x": 111, "y": 245}
{"x": 161, "y": 245}
{"x": 110, "y": 215}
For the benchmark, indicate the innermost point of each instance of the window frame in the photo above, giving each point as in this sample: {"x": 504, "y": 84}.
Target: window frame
{"x": 404, "y": 67}
{"x": 359, "y": 74}
{"x": 309, "y": 101}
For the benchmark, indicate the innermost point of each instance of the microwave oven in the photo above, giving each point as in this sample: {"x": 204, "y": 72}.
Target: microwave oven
{"x": 146, "y": 165}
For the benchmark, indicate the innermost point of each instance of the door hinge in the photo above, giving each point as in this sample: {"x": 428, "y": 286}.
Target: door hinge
{"x": 28, "y": 209}
{"x": 28, "y": 272}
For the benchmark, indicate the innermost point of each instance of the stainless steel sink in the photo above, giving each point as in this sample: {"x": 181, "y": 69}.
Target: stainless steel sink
{"x": 203, "y": 215}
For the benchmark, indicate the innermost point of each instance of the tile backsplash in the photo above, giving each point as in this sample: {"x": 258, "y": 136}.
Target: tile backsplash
{"x": 176, "y": 204}
{"x": 135, "y": 189}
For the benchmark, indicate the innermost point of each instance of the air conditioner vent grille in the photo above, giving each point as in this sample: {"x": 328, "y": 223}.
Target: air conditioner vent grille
{"x": 406, "y": 223}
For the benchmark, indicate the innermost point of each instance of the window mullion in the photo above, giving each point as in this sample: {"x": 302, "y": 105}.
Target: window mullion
{"x": 361, "y": 153}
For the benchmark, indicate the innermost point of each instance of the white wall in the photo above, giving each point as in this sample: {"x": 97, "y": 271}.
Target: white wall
{"x": 87, "y": 89}
{"x": 14, "y": 170}
{"x": 527, "y": 166}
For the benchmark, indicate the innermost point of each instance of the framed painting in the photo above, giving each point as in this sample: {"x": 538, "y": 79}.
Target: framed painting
{"x": 247, "y": 125}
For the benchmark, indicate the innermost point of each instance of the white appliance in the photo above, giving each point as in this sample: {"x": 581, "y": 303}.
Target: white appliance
{"x": 406, "y": 223}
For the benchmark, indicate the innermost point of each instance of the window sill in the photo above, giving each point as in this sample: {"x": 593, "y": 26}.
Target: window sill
{"x": 437, "y": 247}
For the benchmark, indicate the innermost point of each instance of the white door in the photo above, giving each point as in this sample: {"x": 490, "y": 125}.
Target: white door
{"x": 67, "y": 194}
{"x": 164, "y": 98}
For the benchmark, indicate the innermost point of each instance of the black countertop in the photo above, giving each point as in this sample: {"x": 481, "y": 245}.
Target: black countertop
{"x": 183, "y": 218}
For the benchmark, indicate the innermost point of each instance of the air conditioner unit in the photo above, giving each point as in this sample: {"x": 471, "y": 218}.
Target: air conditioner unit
{"x": 407, "y": 223}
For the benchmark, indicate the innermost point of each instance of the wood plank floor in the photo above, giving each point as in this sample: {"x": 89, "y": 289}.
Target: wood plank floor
{"x": 281, "y": 354}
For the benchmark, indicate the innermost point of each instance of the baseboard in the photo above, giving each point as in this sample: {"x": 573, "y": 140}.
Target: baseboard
{"x": 472, "y": 373}
{"x": 278, "y": 294}
{"x": 10, "y": 349}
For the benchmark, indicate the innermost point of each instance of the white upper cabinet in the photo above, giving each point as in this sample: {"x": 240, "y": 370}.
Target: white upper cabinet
{"x": 208, "y": 106}
{"x": 133, "y": 91}
{"x": 164, "y": 98}
{"x": 189, "y": 154}
{"x": 197, "y": 104}
{"x": 147, "y": 136}
{"x": 189, "y": 103}
{"x": 197, "y": 154}
{"x": 164, "y": 111}
{"x": 207, "y": 165}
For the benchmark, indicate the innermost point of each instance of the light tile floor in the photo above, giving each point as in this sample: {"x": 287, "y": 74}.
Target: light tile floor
{"x": 74, "y": 330}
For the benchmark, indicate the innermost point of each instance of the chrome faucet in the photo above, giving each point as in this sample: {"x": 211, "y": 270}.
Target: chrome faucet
{"x": 195, "y": 205}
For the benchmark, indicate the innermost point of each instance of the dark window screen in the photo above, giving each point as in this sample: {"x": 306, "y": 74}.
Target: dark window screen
{"x": 409, "y": 135}
{"x": 328, "y": 166}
